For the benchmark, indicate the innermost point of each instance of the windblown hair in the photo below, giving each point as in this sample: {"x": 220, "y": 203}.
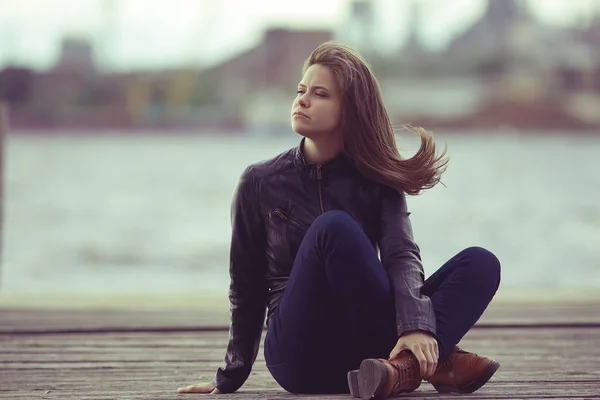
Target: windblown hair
{"x": 367, "y": 132}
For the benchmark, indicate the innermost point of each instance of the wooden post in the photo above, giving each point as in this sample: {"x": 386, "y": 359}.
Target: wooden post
{"x": 3, "y": 132}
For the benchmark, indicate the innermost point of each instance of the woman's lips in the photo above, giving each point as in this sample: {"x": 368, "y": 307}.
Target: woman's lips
{"x": 299, "y": 114}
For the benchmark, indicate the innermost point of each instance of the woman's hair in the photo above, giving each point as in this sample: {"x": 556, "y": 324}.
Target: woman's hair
{"x": 368, "y": 135}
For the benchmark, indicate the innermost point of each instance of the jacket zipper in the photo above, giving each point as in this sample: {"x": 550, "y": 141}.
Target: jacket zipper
{"x": 319, "y": 183}
{"x": 286, "y": 218}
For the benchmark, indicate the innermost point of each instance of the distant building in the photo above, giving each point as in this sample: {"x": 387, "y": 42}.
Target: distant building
{"x": 71, "y": 93}
{"x": 358, "y": 30}
{"x": 497, "y": 42}
{"x": 576, "y": 63}
{"x": 76, "y": 55}
{"x": 414, "y": 59}
{"x": 414, "y": 46}
{"x": 15, "y": 85}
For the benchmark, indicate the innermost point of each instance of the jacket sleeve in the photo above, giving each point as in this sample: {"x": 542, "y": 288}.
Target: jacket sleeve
{"x": 401, "y": 259}
{"x": 248, "y": 289}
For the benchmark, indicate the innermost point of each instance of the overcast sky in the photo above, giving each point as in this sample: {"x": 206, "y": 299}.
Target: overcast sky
{"x": 157, "y": 33}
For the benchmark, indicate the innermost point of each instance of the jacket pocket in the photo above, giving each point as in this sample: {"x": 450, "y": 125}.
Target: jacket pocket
{"x": 285, "y": 217}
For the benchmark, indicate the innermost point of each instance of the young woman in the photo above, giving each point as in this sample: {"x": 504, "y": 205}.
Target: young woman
{"x": 322, "y": 239}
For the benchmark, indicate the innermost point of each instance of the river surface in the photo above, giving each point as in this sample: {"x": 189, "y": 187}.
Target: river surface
{"x": 108, "y": 213}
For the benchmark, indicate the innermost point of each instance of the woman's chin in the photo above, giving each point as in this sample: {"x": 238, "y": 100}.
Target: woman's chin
{"x": 309, "y": 132}
{"x": 300, "y": 131}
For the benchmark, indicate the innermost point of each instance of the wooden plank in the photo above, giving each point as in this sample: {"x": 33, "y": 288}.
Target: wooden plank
{"x": 578, "y": 343}
{"x": 540, "y": 391}
{"x": 536, "y": 363}
{"x": 61, "y": 320}
{"x": 541, "y": 313}
{"x": 577, "y": 346}
{"x": 134, "y": 320}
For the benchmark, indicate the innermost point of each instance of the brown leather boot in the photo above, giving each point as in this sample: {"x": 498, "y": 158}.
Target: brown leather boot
{"x": 462, "y": 372}
{"x": 379, "y": 378}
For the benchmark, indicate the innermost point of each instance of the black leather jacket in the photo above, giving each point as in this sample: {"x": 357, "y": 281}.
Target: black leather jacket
{"x": 272, "y": 200}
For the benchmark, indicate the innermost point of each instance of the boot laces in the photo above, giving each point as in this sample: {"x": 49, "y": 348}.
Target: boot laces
{"x": 405, "y": 373}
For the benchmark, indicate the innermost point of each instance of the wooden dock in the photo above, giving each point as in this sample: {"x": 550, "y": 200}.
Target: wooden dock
{"x": 546, "y": 351}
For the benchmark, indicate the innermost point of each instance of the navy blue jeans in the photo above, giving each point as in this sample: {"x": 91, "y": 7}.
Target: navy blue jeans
{"x": 338, "y": 307}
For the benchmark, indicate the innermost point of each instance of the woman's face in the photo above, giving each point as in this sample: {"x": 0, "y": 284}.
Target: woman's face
{"x": 316, "y": 110}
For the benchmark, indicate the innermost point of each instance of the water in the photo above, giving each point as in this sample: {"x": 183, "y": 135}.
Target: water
{"x": 124, "y": 214}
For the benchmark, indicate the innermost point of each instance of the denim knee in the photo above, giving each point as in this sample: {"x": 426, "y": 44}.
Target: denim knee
{"x": 485, "y": 265}
{"x": 335, "y": 220}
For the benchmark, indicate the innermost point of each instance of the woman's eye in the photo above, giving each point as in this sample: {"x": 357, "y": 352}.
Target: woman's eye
{"x": 318, "y": 94}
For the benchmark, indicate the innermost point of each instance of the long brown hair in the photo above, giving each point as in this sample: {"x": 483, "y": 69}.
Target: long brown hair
{"x": 368, "y": 134}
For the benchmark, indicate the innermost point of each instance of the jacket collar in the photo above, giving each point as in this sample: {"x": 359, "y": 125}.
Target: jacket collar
{"x": 340, "y": 164}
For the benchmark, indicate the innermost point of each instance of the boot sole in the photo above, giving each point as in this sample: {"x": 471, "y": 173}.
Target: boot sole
{"x": 473, "y": 386}
{"x": 369, "y": 381}
{"x": 353, "y": 383}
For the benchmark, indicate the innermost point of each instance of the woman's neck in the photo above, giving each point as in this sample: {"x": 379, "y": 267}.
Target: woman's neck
{"x": 319, "y": 152}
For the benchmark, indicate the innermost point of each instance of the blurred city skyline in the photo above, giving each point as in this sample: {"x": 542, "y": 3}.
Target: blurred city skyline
{"x": 506, "y": 67}
{"x": 205, "y": 32}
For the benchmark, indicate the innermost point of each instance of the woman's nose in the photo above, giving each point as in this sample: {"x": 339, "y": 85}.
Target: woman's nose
{"x": 302, "y": 101}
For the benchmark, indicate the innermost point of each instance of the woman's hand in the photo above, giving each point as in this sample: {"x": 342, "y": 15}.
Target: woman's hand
{"x": 207, "y": 388}
{"x": 425, "y": 348}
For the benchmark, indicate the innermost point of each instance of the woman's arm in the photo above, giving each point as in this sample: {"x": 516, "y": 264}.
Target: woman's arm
{"x": 400, "y": 256}
{"x": 248, "y": 288}
{"x": 401, "y": 259}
